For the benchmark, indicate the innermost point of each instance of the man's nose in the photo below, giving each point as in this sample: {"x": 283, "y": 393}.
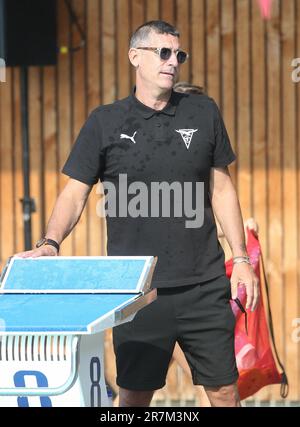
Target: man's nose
{"x": 173, "y": 60}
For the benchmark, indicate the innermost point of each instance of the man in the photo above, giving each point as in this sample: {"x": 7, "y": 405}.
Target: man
{"x": 153, "y": 139}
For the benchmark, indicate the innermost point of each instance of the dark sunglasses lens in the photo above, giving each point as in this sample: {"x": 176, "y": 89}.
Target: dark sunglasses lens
{"x": 181, "y": 57}
{"x": 165, "y": 53}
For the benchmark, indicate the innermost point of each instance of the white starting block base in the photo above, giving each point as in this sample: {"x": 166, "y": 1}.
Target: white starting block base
{"x": 53, "y": 313}
{"x": 50, "y": 366}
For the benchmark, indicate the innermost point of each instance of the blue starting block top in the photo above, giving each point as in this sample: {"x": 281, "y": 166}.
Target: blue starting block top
{"x": 72, "y": 295}
{"x": 106, "y": 274}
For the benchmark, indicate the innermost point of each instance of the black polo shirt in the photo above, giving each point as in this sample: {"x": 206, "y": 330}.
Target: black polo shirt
{"x": 179, "y": 144}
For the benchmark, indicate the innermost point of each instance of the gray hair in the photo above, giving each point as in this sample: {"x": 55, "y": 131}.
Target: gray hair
{"x": 141, "y": 34}
{"x": 185, "y": 87}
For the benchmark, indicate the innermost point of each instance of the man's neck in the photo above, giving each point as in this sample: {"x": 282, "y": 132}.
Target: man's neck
{"x": 156, "y": 101}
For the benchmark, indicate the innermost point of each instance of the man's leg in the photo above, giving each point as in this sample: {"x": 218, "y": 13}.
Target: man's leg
{"x": 179, "y": 357}
{"x": 223, "y": 396}
{"x": 132, "y": 398}
{"x": 143, "y": 349}
{"x": 207, "y": 339}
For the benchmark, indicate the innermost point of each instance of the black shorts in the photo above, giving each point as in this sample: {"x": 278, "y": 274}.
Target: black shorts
{"x": 199, "y": 317}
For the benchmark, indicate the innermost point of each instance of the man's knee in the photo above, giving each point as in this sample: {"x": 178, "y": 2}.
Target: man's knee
{"x": 134, "y": 398}
{"x": 224, "y": 395}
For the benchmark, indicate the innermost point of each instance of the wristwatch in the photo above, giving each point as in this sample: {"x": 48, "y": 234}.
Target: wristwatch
{"x": 45, "y": 241}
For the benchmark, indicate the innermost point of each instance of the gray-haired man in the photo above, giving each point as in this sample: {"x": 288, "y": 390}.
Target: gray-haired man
{"x": 159, "y": 136}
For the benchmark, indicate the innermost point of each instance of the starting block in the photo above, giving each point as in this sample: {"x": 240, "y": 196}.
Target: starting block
{"x": 53, "y": 313}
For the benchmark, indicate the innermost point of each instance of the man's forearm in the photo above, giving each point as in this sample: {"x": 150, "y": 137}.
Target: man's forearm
{"x": 65, "y": 215}
{"x": 228, "y": 212}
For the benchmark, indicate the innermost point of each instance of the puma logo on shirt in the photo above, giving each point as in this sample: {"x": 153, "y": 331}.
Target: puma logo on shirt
{"x": 124, "y": 136}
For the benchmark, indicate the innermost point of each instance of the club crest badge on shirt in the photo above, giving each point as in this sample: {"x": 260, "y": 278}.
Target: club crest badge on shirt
{"x": 187, "y": 135}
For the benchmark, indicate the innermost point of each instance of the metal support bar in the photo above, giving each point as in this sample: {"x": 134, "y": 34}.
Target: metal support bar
{"x": 27, "y": 202}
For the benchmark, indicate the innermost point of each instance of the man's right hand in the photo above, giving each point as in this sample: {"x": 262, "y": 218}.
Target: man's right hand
{"x": 45, "y": 250}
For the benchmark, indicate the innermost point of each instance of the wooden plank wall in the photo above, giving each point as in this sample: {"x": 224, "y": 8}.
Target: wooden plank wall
{"x": 243, "y": 62}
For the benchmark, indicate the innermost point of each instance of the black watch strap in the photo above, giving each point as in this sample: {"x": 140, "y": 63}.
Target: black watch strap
{"x": 46, "y": 241}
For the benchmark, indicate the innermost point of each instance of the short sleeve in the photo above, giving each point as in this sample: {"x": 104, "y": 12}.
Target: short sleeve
{"x": 223, "y": 153}
{"x": 85, "y": 162}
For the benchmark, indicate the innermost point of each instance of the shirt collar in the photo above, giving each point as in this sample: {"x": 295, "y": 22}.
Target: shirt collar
{"x": 147, "y": 112}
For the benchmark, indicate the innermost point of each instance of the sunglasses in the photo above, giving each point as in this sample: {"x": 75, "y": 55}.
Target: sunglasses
{"x": 165, "y": 53}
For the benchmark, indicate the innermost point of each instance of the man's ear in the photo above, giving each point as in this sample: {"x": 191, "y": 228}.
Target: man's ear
{"x": 133, "y": 57}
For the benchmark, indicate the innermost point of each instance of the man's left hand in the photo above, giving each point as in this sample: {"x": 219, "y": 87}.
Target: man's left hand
{"x": 243, "y": 274}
